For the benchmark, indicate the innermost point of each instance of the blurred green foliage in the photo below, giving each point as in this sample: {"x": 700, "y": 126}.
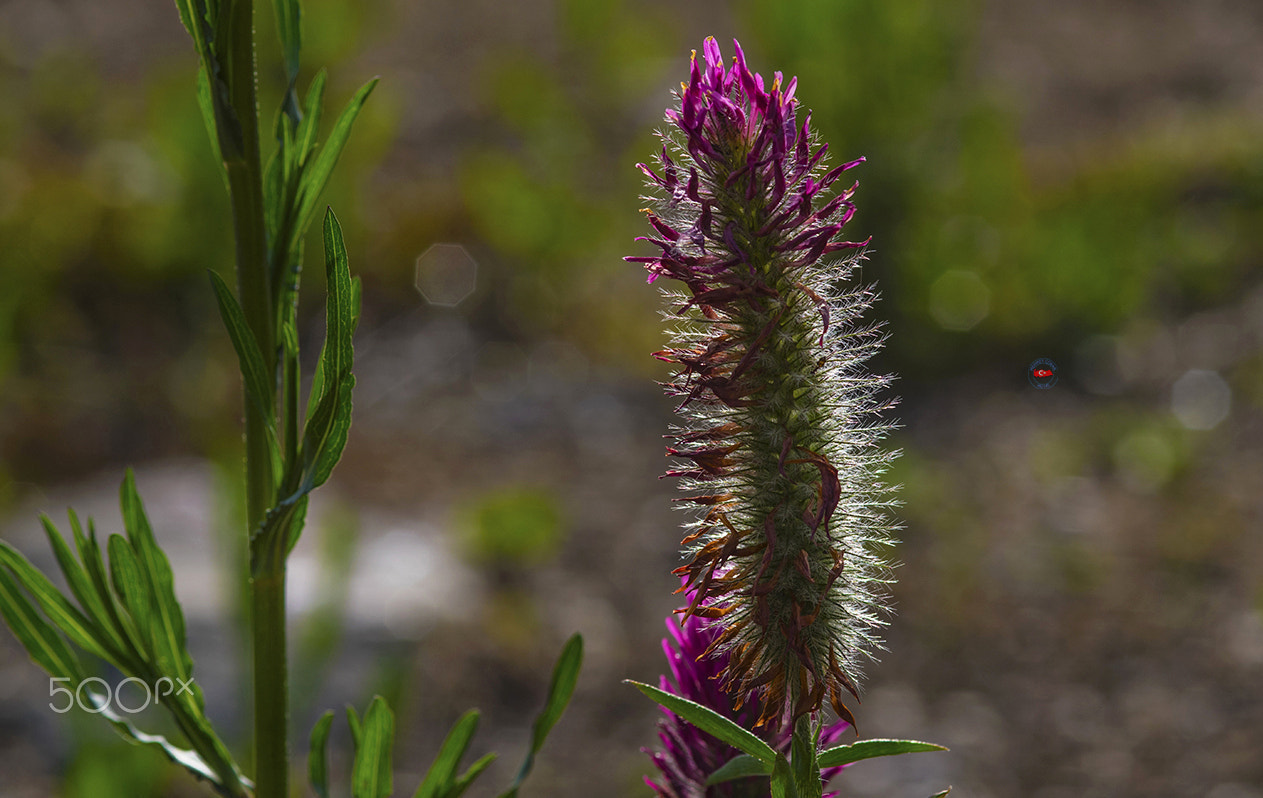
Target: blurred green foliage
{"x": 551, "y": 194}
{"x": 109, "y": 767}
{"x": 512, "y": 526}
{"x": 1163, "y": 224}
{"x": 984, "y": 250}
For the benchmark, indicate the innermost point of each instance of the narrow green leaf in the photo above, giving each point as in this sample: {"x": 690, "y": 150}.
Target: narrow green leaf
{"x": 314, "y": 181}
{"x": 291, "y": 387}
{"x": 739, "y": 767}
{"x": 282, "y": 182}
{"x": 438, "y": 779}
{"x": 207, "y": 106}
{"x": 560, "y": 689}
{"x": 150, "y": 628}
{"x": 130, "y": 586}
{"x": 212, "y": 31}
{"x": 193, "y": 17}
{"x": 249, "y": 358}
{"x": 85, "y": 593}
{"x": 357, "y": 728}
{"x": 325, "y": 434}
{"x": 371, "y": 774}
{"x": 289, "y": 161}
{"x": 710, "y": 722}
{"x": 318, "y": 756}
{"x": 167, "y": 630}
{"x": 867, "y": 749}
{"x": 289, "y": 335}
{"x": 289, "y": 28}
{"x": 310, "y": 126}
{"x": 316, "y": 391}
{"x": 227, "y": 124}
{"x": 340, "y": 314}
{"x": 64, "y": 615}
{"x": 186, "y": 17}
{"x": 467, "y": 778}
{"x": 46, "y": 648}
{"x": 274, "y": 209}
{"x": 90, "y": 554}
{"x": 153, "y": 622}
{"x": 941, "y": 794}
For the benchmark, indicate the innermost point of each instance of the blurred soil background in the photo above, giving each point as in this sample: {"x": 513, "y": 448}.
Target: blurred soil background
{"x": 1080, "y": 600}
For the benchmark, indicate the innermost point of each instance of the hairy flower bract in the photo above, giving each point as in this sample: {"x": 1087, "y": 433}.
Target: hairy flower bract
{"x": 778, "y": 448}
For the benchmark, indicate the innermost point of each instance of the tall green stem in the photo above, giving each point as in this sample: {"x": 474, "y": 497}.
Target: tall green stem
{"x": 271, "y": 685}
{"x": 267, "y": 588}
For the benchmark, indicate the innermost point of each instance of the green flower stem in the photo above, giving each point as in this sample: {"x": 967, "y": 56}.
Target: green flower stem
{"x": 267, "y": 589}
{"x": 271, "y": 685}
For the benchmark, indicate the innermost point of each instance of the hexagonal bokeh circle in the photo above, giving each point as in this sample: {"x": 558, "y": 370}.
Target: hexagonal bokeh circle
{"x": 446, "y": 275}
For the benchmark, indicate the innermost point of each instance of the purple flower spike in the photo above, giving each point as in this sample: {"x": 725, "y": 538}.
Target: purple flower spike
{"x": 779, "y": 442}
{"x": 689, "y": 755}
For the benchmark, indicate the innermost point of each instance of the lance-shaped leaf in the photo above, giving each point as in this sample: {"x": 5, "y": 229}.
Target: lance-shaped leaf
{"x": 710, "y": 722}
{"x": 296, "y": 142}
{"x": 329, "y": 409}
{"x": 94, "y": 564}
{"x": 46, "y": 648}
{"x": 207, "y": 106}
{"x": 318, "y": 756}
{"x": 357, "y": 728}
{"x": 289, "y": 14}
{"x": 93, "y": 604}
{"x": 459, "y": 786}
{"x": 276, "y": 181}
{"x": 209, "y": 31}
{"x": 313, "y": 108}
{"x": 198, "y": 18}
{"x": 440, "y": 780}
{"x": 149, "y": 617}
{"x": 560, "y": 689}
{"x": 171, "y": 655}
{"x": 64, "y": 615}
{"x": 371, "y": 775}
{"x": 326, "y": 430}
{"x": 132, "y": 591}
{"x": 315, "y": 179}
{"x": 254, "y": 373}
{"x": 867, "y": 749}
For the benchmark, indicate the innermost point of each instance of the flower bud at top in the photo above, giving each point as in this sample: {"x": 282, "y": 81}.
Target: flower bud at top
{"x": 778, "y": 445}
